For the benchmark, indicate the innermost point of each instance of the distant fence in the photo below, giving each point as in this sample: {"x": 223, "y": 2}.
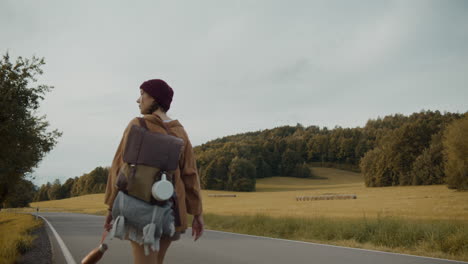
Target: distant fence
{"x": 222, "y": 195}
{"x": 326, "y": 197}
{"x": 27, "y": 209}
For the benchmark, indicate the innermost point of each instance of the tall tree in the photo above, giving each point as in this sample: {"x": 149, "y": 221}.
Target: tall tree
{"x": 456, "y": 153}
{"x": 21, "y": 195}
{"x": 428, "y": 168}
{"x": 67, "y": 187}
{"x": 43, "y": 193}
{"x": 24, "y": 140}
{"x": 241, "y": 175}
{"x": 216, "y": 174}
{"x": 56, "y": 191}
{"x": 289, "y": 161}
{"x": 302, "y": 171}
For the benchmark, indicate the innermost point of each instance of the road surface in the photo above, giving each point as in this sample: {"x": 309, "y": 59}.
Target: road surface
{"x": 80, "y": 233}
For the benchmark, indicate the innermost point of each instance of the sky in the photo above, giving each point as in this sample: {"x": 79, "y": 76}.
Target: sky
{"x": 235, "y": 66}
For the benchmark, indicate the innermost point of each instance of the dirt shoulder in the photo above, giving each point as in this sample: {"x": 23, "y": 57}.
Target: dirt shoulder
{"x": 40, "y": 252}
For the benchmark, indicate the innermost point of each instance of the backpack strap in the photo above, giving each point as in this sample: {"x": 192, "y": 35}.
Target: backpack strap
{"x": 164, "y": 125}
{"x": 142, "y": 122}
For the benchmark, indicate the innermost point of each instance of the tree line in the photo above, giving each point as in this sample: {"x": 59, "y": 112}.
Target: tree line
{"x": 25, "y": 191}
{"x": 88, "y": 183}
{"x": 393, "y": 150}
{"x": 425, "y": 148}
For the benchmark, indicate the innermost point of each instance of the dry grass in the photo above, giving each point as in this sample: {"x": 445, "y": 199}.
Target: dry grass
{"x": 276, "y": 197}
{"x": 86, "y": 204}
{"x": 15, "y": 239}
{"x": 434, "y": 238}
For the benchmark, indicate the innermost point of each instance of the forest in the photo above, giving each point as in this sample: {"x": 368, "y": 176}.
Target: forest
{"x": 423, "y": 148}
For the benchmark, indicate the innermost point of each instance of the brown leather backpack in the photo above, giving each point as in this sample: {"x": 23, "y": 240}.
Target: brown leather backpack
{"x": 147, "y": 154}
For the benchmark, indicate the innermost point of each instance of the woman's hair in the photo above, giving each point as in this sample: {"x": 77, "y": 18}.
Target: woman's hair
{"x": 155, "y": 106}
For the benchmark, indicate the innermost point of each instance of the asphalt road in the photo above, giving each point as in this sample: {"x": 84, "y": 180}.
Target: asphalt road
{"x": 81, "y": 233}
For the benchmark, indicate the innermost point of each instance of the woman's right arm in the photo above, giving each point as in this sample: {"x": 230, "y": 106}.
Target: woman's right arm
{"x": 111, "y": 188}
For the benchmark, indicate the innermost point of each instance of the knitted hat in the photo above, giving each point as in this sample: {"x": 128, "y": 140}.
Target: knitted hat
{"x": 160, "y": 91}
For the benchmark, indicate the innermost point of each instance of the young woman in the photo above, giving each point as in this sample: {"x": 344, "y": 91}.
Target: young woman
{"x": 154, "y": 102}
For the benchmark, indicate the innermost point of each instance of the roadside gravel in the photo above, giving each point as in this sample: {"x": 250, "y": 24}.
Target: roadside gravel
{"x": 40, "y": 252}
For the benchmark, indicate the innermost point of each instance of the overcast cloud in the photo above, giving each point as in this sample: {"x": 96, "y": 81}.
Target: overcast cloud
{"x": 235, "y": 66}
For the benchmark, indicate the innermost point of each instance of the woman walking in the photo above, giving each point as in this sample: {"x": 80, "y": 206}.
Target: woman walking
{"x": 154, "y": 102}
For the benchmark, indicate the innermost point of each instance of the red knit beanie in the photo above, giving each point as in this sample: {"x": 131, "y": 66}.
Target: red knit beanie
{"x": 160, "y": 91}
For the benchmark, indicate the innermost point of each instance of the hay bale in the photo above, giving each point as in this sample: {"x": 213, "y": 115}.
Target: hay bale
{"x": 222, "y": 195}
{"x": 326, "y": 197}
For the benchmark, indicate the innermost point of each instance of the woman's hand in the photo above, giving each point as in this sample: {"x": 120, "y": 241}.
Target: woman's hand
{"x": 197, "y": 226}
{"x": 107, "y": 224}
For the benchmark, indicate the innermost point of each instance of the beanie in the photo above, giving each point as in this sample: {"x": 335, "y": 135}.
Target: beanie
{"x": 160, "y": 91}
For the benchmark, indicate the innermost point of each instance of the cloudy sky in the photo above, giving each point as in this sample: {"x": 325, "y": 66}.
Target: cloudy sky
{"x": 235, "y": 66}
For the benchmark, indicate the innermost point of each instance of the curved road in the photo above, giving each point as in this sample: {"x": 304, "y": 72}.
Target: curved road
{"x": 80, "y": 233}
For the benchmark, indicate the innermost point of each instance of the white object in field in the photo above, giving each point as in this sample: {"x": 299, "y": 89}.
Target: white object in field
{"x": 163, "y": 189}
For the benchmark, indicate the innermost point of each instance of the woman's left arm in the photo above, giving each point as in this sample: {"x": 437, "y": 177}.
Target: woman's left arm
{"x": 191, "y": 180}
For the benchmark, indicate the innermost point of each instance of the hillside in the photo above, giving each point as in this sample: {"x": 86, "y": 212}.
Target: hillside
{"x": 331, "y": 177}
{"x": 389, "y": 151}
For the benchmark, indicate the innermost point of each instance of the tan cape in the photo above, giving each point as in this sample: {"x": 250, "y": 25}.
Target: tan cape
{"x": 186, "y": 176}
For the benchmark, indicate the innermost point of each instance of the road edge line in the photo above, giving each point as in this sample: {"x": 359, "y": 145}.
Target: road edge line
{"x": 327, "y": 245}
{"x": 66, "y": 253}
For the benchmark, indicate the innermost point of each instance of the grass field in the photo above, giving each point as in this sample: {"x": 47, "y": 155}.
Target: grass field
{"x": 15, "y": 238}
{"x": 434, "y": 238}
{"x": 276, "y": 197}
{"x": 421, "y": 220}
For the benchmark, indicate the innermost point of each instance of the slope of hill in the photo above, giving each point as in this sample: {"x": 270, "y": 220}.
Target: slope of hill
{"x": 331, "y": 177}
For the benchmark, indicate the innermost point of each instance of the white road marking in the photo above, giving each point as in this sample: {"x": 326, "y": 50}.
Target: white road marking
{"x": 361, "y": 249}
{"x": 63, "y": 247}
